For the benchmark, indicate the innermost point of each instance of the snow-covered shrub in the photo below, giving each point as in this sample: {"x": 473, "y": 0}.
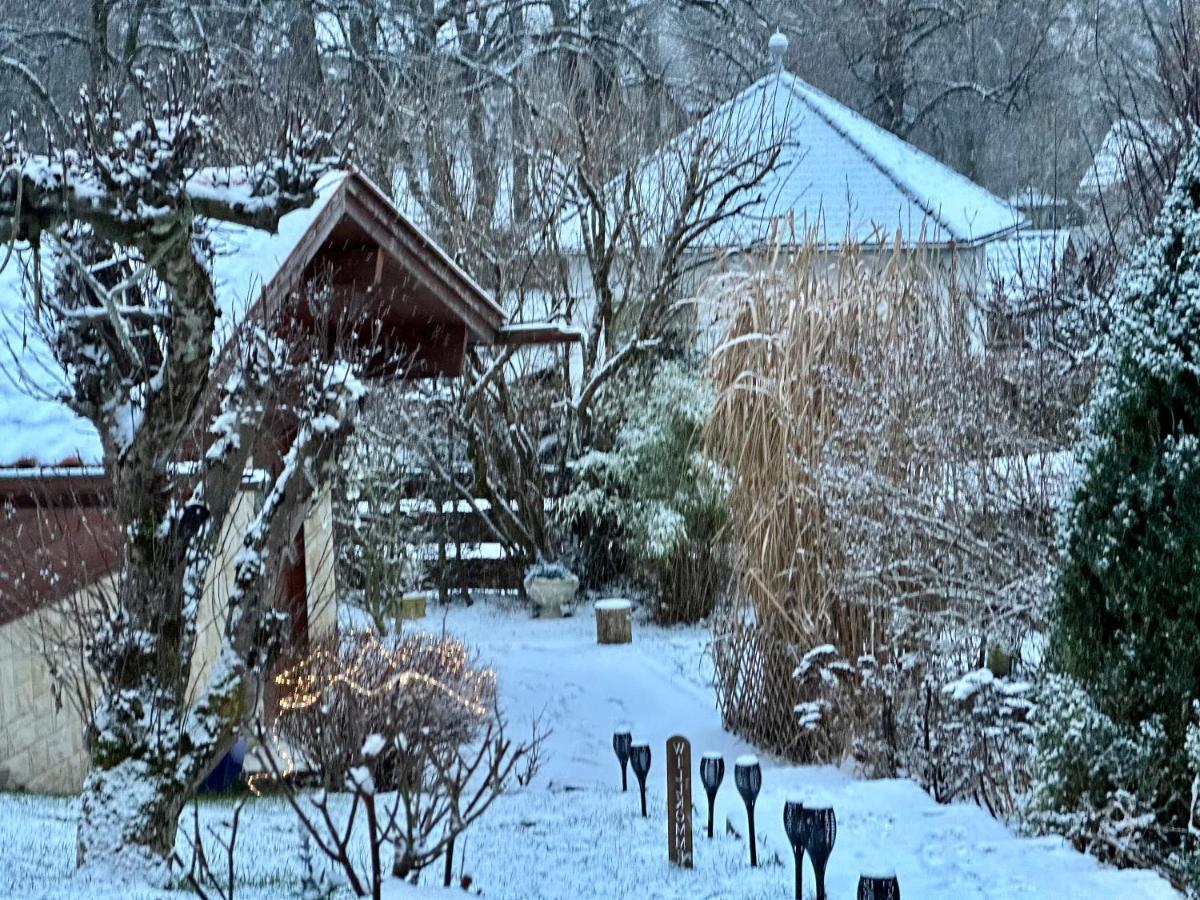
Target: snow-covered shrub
{"x": 969, "y": 738}
{"x": 1127, "y": 611}
{"x": 651, "y": 506}
{"x": 1098, "y": 782}
{"x": 352, "y": 687}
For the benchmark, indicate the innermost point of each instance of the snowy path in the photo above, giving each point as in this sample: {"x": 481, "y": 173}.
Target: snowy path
{"x": 572, "y": 834}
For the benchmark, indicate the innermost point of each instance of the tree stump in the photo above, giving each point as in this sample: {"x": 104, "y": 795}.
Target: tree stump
{"x": 614, "y": 624}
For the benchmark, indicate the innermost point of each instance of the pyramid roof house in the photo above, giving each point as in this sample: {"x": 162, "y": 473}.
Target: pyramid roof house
{"x": 837, "y": 176}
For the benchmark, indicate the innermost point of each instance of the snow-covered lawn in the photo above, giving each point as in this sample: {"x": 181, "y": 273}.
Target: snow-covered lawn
{"x": 572, "y": 834}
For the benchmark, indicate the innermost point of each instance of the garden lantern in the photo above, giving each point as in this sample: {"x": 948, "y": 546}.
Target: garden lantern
{"x": 712, "y": 773}
{"x": 818, "y": 833}
{"x": 622, "y": 740}
{"x": 792, "y": 823}
{"x": 747, "y": 775}
{"x": 879, "y": 887}
{"x": 639, "y": 756}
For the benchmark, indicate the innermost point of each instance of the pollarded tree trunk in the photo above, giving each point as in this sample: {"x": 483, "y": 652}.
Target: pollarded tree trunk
{"x": 130, "y": 313}
{"x": 130, "y": 807}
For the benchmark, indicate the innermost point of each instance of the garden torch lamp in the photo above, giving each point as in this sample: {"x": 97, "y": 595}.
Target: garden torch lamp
{"x": 818, "y": 833}
{"x": 792, "y": 810}
{"x": 712, "y": 773}
{"x": 622, "y": 740}
{"x": 639, "y": 756}
{"x": 879, "y": 887}
{"x": 747, "y": 775}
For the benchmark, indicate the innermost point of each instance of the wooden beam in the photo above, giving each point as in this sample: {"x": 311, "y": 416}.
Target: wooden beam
{"x": 525, "y": 333}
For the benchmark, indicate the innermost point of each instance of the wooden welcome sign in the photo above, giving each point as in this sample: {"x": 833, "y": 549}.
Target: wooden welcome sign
{"x": 679, "y": 801}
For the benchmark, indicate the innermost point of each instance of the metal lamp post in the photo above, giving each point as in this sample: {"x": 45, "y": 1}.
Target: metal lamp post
{"x": 712, "y": 773}
{"x": 818, "y": 833}
{"x": 639, "y": 756}
{"x": 793, "y": 824}
{"x": 622, "y": 740}
{"x": 747, "y": 775}
{"x": 879, "y": 887}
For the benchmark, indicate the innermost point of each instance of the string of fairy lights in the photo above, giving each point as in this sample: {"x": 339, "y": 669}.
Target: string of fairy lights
{"x": 374, "y": 670}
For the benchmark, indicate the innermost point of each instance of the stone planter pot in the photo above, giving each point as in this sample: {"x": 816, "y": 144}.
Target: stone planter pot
{"x": 550, "y": 595}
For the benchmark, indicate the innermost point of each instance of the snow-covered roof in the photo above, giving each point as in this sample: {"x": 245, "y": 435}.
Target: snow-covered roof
{"x": 837, "y": 175}
{"x": 1128, "y": 144}
{"x": 37, "y": 428}
{"x": 1025, "y": 264}
{"x": 1034, "y": 198}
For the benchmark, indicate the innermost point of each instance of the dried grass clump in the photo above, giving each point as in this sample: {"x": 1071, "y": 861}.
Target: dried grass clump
{"x": 792, "y": 320}
{"x": 883, "y": 505}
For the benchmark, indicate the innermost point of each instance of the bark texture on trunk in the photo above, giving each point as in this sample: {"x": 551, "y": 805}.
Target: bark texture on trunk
{"x": 132, "y": 307}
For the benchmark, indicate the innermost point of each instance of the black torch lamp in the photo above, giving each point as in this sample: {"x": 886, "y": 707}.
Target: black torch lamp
{"x": 712, "y": 773}
{"x": 639, "y": 757}
{"x": 747, "y": 775}
{"x": 818, "y": 833}
{"x": 622, "y": 741}
{"x": 793, "y": 825}
{"x": 879, "y": 887}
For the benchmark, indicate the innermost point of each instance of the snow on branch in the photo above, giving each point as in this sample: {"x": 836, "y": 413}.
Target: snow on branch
{"x": 125, "y": 173}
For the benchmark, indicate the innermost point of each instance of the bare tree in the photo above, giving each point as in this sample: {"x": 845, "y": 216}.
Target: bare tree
{"x": 1153, "y": 100}
{"x": 620, "y": 226}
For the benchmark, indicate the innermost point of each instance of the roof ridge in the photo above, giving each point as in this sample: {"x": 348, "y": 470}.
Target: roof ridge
{"x": 800, "y": 88}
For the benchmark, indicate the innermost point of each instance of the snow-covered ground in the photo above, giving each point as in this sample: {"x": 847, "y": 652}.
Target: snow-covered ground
{"x": 573, "y": 834}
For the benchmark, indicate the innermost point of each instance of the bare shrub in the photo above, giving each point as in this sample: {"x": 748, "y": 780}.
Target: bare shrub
{"x": 352, "y": 687}
{"x": 408, "y": 746}
{"x": 215, "y": 878}
{"x": 380, "y": 535}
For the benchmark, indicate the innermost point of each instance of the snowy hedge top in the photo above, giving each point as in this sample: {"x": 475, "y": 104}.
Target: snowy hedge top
{"x": 837, "y": 173}
{"x": 36, "y": 428}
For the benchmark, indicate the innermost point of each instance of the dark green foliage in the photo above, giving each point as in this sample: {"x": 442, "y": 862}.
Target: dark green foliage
{"x": 1117, "y": 743}
{"x": 1128, "y": 623}
{"x": 649, "y": 509}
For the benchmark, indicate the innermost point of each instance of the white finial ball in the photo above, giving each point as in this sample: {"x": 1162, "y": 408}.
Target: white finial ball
{"x": 778, "y": 45}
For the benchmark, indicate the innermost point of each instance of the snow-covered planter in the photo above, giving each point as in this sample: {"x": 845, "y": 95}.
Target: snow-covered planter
{"x": 550, "y": 587}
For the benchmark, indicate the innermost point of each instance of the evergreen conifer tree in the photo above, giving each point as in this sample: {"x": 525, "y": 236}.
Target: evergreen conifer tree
{"x": 1127, "y": 628}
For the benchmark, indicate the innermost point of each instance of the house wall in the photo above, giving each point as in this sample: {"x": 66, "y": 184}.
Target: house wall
{"x": 217, "y": 586}
{"x": 319, "y": 567}
{"x": 41, "y": 747}
{"x": 964, "y": 268}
